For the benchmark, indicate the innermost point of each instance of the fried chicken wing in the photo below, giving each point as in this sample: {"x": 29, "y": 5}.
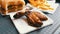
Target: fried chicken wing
{"x": 18, "y": 15}
{"x": 33, "y": 20}
{"x": 41, "y": 16}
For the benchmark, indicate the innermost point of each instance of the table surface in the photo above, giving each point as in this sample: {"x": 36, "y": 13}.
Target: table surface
{"x": 7, "y": 26}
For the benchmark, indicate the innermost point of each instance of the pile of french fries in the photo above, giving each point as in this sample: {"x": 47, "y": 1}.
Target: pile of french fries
{"x": 42, "y": 4}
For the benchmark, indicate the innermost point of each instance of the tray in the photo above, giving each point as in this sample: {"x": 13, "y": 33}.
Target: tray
{"x": 22, "y": 25}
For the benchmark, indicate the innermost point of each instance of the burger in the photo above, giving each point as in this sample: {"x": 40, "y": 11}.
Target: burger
{"x": 8, "y": 6}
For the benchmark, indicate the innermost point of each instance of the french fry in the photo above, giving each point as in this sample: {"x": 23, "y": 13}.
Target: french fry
{"x": 42, "y": 4}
